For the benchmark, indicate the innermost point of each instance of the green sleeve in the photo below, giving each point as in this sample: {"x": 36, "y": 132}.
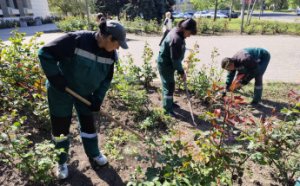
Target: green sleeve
{"x": 177, "y": 50}
{"x": 229, "y": 78}
{"x": 48, "y": 63}
{"x": 104, "y": 86}
{"x": 178, "y": 66}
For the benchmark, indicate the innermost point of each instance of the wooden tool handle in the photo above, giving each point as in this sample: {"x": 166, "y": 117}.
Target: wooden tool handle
{"x": 80, "y": 98}
{"x": 85, "y": 101}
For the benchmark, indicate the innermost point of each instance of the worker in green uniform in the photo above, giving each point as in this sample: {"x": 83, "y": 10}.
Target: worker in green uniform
{"x": 169, "y": 60}
{"x": 84, "y": 62}
{"x": 247, "y": 64}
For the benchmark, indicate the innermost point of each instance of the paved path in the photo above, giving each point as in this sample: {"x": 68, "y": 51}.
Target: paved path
{"x": 285, "y": 50}
{"x": 30, "y": 30}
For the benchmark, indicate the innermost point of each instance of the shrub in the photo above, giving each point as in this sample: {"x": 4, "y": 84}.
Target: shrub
{"x": 74, "y": 24}
{"x": 34, "y": 161}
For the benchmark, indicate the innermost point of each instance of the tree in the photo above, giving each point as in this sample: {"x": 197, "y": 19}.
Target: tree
{"x": 202, "y": 4}
{"x": 277, "y": 4}
{"x": 294, "y": 3}
{"x": 148, "y": 9}
{"x": 110, "y": 7}
{"x": 74, "y": 7}
{"x": 60, "y": 6}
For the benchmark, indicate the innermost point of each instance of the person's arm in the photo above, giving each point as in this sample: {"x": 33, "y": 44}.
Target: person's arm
{"x": 52, "y": 54}
{"x": 100, "y": 93}
{"x": 177, "y": 51}
{"x": 229, "y": 78}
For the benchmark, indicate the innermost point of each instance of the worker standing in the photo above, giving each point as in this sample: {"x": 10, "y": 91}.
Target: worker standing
{"x": 84, "y": 62}
{"x": 169, "y": 60}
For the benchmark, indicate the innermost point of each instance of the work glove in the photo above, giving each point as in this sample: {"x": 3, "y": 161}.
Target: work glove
{"x": 58, "y": 81}
{"x": 95, "y": 103}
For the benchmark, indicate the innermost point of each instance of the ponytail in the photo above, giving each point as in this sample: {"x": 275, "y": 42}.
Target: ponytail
{"x": 102, "y": 26}
{"x": 179, "y": 24}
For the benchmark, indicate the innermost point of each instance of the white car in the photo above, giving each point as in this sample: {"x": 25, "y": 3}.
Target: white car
{"x": 220, "y": 15}
{"x": 203, "y": 13}
{"x": 209, "y": 14}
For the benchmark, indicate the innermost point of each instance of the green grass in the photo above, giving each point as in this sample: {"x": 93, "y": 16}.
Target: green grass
{"x": 276, "y": 92}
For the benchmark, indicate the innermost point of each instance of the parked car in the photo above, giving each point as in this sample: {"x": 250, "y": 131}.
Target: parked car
{"x": 177, "y": 15}
{"x": 188, "y": 15}
{"x": 209, "y": 14}
{"x": 203, "y": 13}
{"x": 220, "y": 15}
{"x": 227, "y": 12}
{"x": 182, "y": 15}
{"x": 298, "y": 11}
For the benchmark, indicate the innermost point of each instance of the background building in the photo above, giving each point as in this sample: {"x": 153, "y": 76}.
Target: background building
{"x": 24, "y": 8}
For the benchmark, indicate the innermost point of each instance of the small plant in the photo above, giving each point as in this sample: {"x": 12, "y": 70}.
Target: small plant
{"x": 208, "y": 76}
{"x": 117, "y": 140}
{"x": 34, "y": 161}
{"x": 126, "y": 86}
{"x": 147, "y": 72}
{"x": 156, "y": 119}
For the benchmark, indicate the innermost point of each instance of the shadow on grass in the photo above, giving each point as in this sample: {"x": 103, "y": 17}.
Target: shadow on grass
{"x": 185, "y": 116}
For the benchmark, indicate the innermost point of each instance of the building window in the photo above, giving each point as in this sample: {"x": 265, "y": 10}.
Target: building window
{"x": 26, "y": 4}
{"x": 16, "y": 4}
{"x": 8, "y": 4}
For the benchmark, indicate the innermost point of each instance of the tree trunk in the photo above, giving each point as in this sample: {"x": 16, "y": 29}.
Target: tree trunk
{"x": 250, "y": 16}
{"x": 216, "y": 8}
{"x": 242, "y": 16}
{"x": 248, "y": 10}
{"x": 230, "y": 10}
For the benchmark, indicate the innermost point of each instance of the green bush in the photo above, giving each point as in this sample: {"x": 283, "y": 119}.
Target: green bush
{"x": 34, "y": 161}
{"x": 74, "y": 24}
{"x": 140, "y": 25}
{"x": 250, "y": 29}
{"x": 21, "y": 77}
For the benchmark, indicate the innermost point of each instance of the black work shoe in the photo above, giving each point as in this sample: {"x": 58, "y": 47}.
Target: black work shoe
{"x": 171, "y": 114}
{"x": 254, "y": 103}
{"x": 176, "y": 106}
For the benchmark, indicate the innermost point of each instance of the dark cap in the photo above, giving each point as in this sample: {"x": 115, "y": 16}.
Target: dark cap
{"x": 117, "y": 31}
{"x": 190, "y": 24}
{"x": 226, "y": 62}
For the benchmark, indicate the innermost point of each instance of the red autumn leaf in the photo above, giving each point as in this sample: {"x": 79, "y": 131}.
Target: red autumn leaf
{"x": 252, "y": 120}
{"x": 230, "y": 121}
{"x": 217, "y": 112}
{"x": 237, "y": 119}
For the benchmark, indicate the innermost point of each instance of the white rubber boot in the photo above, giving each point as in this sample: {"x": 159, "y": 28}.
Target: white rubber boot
{"x": 62, "y": 171}
{"x": 101, "y": 160}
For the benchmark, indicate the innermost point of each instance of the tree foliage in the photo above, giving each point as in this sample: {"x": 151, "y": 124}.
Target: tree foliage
{"x": 210, "y": 4}
{"x": 73, "y": 7}
{"x": 148, "y": 9}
